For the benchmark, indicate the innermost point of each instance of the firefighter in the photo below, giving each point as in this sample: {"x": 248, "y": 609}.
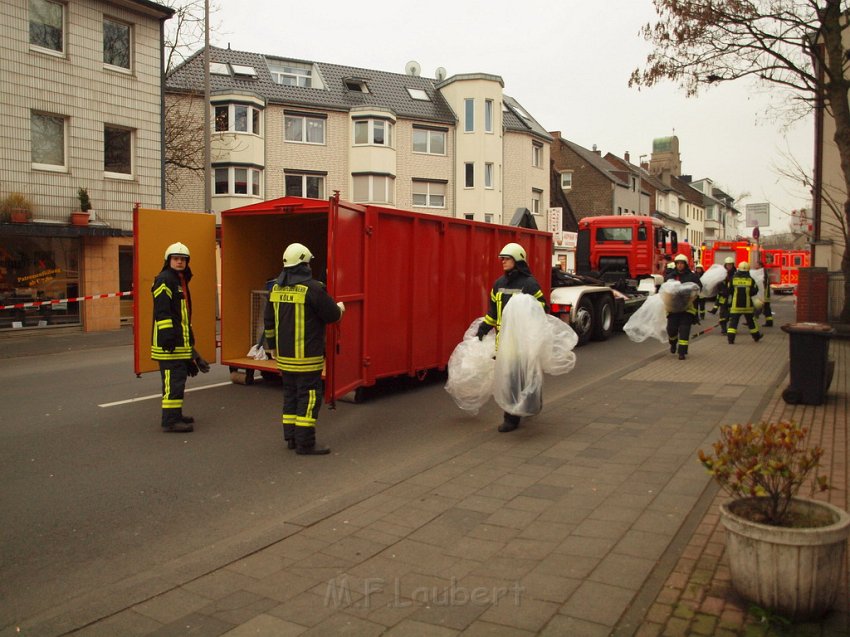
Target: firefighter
{"x": 766, "y": 310}
{"x": 295, "y": 317}
{"x": 700, "y": 302}
{"x": 724, "y": 290}
{"x": 517, "y": 279}
{"x": 172, "y": 340}
{"x": 743, "y": 291}
{"x": 679, "y": 323}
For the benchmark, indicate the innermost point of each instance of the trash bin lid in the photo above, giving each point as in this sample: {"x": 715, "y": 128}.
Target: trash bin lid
{"x": 816, "y": 329}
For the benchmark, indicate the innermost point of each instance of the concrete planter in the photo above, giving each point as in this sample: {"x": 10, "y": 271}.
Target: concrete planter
{"x": 795, "y": 572}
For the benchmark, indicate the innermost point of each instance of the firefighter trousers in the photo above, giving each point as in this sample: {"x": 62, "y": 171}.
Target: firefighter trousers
{"x": 173, "y": 374}
{"x": 724, "y": 318}
{"x": 302, "y": 398}
{"x": 679, "y": 331}
{"x": 735, "y": 318}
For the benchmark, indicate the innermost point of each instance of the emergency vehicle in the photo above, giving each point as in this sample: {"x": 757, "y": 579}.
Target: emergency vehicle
{"x": 738, "y": 250}
{"x": 784, "y": 268}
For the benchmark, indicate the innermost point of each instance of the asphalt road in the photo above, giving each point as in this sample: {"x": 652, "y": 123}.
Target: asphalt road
{"x": 93, "y": 492}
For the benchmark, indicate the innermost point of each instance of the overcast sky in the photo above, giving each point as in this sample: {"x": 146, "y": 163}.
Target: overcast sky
{"x": 566, "y": 62}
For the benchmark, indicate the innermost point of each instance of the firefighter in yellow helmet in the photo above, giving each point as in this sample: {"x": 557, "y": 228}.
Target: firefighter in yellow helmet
{"x": 744, "y": 290}
{"x": 517, "y": 279}
{"x": 724, "y": 291}
{"x": 172, "y": 339}
{"x": 298, "y": 310}
{"x": 679, "y": 323}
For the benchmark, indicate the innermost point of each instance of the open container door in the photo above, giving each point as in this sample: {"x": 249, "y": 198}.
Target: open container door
{"x": 346, "y": 362}
{"x": 154, "y": 231}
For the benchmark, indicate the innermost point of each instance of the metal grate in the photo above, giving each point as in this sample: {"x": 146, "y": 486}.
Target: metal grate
{"x": 259, "y": 298}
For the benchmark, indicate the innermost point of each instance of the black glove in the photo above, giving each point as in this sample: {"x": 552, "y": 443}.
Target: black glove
{"x": 203, "y": 365}
{"x": 168, "y": 341}
{"x": 483, "y": 330}
{"x": 192, "y": 367}
{"x": 713, "y": 310}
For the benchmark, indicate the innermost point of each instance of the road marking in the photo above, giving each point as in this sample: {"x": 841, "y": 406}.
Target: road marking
{"x": 152, "y": 396}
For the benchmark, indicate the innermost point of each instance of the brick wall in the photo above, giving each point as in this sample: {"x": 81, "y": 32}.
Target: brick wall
{"x": 591, "y": 194}
{"x": 813, "y": 295}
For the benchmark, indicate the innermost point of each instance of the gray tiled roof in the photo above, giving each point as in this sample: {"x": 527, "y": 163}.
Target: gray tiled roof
{"x": 386, "y": 90}
{"x": 602, "y": 165}
{"x": 516, "y": 122}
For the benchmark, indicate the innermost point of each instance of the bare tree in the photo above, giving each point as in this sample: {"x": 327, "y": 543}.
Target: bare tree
{"x": 795, "y": 45}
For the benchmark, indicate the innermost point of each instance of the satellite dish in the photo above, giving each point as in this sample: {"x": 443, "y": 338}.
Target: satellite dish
{"x": 412, "y": 68}
{"x": 440, "y": 74}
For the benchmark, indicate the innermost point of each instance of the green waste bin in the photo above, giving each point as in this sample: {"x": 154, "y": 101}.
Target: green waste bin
{"x": 811, "y": 369}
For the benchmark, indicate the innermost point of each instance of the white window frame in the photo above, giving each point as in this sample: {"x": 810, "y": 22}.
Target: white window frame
{"x": 300, "y": 75}
{"x": 371, "y": 125}
{"x": 488, "y": 218}
{"x": 63, "y": 167}
{"x": 114, "y": 175}
{"x": 536, "y": 200}
{"x": 418, "y": 94}
{"x": 488, "y": 175}
{"x": 567, "y": 184}
{"x": 488, "y": 116}
{"x": 469, "y": 115}
{"x": 428, "y": 141}
{"x": 430, "y": 197}
{"x": 388, "y": 196}
{"x": 131, "y": 38}
{"x": 231, "y": 118}
{"x": 304, "y": 119}
{"x": 304, "y": 177}
{"x": 43, "y": 49}
{"x": 231, "y": 181}
{"x": 536, "y": 155}
{"x": 466, "y": 176}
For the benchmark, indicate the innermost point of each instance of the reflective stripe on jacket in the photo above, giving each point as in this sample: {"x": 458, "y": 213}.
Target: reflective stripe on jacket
{"x": 744, "y": 288}
{"x": 172, "y": 315}
{"x": 517, "y": 281}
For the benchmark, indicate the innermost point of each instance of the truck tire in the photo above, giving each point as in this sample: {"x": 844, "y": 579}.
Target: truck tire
{"x": 584, "y": 320}
{"x": 603, "y": 325}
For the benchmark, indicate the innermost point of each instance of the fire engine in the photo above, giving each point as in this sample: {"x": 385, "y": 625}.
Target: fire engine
{"x": 784, "y": 268}
{"x": 738, "y": 250}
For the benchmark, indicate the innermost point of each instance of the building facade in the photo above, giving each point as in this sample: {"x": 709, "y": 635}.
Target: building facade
{"x": 80, "y": 107}
{"x": 455, "y": 146}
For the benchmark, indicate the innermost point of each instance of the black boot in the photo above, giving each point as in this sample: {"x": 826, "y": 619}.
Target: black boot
{"x": 178, "y": 428}
{"x": 186, "y": 419}
{"x": 290, "y": 444}
{"x": 682, "y": 356}
{"x": 673, "y": 347}
{"x": 509, "y": 423}
{"x": 315, "y": 450}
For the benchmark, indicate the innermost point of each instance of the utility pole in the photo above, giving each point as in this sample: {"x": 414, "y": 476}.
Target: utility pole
{"x": 207, "y": 123}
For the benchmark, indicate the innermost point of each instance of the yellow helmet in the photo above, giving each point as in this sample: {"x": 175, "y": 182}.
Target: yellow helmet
{"x": 513, "y": 250}
{"x": 176, "y": 249}
{"x": 296, "y": 253}
{"x": 744, "y": 266}
{"x": 681, "y": 257}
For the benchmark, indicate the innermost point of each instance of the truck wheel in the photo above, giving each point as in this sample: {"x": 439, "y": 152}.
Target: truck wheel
{"x": 584, "y": 321}
{"x": 604, "y": 323}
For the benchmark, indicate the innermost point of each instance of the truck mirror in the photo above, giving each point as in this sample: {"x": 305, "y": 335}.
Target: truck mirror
{"x": 674, "y": 242}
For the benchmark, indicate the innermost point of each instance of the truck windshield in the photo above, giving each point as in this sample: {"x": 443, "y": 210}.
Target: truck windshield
{"x": 614, "y": 234}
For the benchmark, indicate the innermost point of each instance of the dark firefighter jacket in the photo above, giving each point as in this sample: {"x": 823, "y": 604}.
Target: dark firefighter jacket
{"x": 298, "y": 310}
{"x": 743, "y": 289}
{"x": 519, "y": 280}
{"x": 172, "y": 314}
{"x": 724, "y": 290}
{"x": 686, "y": 276}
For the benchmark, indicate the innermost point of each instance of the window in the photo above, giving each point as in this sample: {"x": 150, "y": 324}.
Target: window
{"x": 375, "y": 132}
{"x": 566, "y": 181}
{"x": 116, "y": 44}
{"x": 355, "y": 85}
{"x": 244, "y": 71}
{"x": 304, "y": 129}
{"x": 373, "y": 188}
{"x": 418, "y": 94}
{"x": 117, "y": 150}
{"x": 312, "y": 186}
{"x": 237, "y": 118}
{"x": 429, "y": 194}
{"x": 469, "y": 175}
{"x": 47, "y": 25}
{"x": 432, "y": 142}
{"x": 219, "y": 68}
{"x": 48, "y": 140}
{"x": 291, "y": 73}
{"x": 469, "y": 117}
{"x": 469, "y": 217}
{"x": 488, "y": 175}
{"x": 614, "y": 234}
{"x": 535, "y": 201}
{"x": 488, "y": 218}
{"x": 536, "y": 155}
{"x": 634, "y": 184}
{"x": 488, "y": 116}
{"x": 236, "y": 180}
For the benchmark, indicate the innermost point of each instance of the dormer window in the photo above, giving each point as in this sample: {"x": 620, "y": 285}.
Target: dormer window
{"x": 243, "y": 71}
{"x": 291, "y": 73}
{"x": 356, "y": 85}
{"x": 418, "y": 94}
{"x": 219, "y": 68}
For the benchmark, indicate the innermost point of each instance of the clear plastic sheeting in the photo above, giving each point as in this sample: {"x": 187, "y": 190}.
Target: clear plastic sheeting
{"x": 471, "y": 368}
{"x": 758, "y": 277}
{"x": 530, "y": 343}
{"x": 677, "y": 296}
{"x": 712, "y": 278}
{"x": 650, "y": 321}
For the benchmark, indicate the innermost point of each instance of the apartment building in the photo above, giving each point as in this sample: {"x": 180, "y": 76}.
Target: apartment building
{"x": 720, "y": 212}
{"x": 80, "y": 107}
{"x": 455, "y": 146}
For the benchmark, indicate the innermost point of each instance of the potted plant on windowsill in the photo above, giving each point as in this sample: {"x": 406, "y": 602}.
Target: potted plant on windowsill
{"x": 785, "y": 553}
{"x": 16, "y": 207}
{"x": 81, "y": 217}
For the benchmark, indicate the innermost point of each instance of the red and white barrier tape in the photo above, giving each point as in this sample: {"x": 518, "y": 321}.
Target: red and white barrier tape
{"x": 17, "y": 306}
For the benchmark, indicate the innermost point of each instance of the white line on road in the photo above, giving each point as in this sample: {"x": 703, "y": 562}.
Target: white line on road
{"x": 152, "y": 396}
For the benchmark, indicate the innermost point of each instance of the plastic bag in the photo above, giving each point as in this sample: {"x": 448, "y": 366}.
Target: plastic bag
{"x": 257, "y": 353}
{"x": 518, "y": 379}
{"x": 557, "y": 356}
{"x": 677, "y": 296}
{"x": 711, "y": 279}
{"x": 650, "y": 321}
{"x": 758, "y": 277}
{"x": 470, "y": 368}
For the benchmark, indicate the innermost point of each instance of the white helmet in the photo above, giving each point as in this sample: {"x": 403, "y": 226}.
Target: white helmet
{"x": 729, "y": 261}
{"x": 681, "y": 257}
{"x": 178, "y": 250}
{"x": 670, "y": 265}
{"x": 513, "y": 250}
{"x": 698, "y": 265}
{"x": 296, "y": 253}
{"x": 744, "y": 266}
